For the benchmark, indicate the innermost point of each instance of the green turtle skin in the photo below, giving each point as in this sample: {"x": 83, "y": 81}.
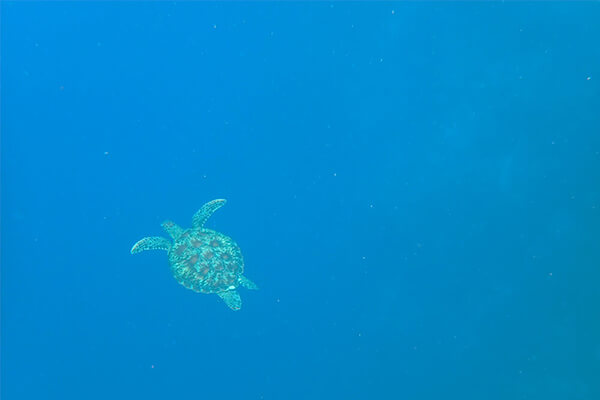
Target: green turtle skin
{"x": 201, "y": 259}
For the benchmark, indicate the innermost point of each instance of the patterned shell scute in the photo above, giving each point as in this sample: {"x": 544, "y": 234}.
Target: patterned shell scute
{"x": 206, "y": 261}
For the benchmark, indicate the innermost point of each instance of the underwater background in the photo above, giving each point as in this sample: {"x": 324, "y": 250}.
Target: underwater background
{"x": 415, "y": 188}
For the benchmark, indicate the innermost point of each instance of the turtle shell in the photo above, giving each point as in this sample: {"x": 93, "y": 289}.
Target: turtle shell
{"x": 206, "y": 261}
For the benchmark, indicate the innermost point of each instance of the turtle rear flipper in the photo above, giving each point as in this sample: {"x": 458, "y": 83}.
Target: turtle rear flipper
{"x": 204, "y": 213}
{"x": 172, "y": 229}
{"x": 232, "y": 299}
{"x": 247, "y": 283}
{"x": 151, "y": 243}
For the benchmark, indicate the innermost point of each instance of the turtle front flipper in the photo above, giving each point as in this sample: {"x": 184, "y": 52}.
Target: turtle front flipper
{"x": 247, "y": 283}
{"x": 151, "y": 243}
{"x": 232, "y": 299}
{"x": 172, "y": 229}
{"x": 206, "y": 211}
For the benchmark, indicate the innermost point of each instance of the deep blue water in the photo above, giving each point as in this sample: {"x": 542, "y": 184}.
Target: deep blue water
{"x": 415, "y": 187}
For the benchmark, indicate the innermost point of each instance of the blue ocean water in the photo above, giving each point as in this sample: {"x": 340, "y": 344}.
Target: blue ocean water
{"x": 414, "y": 186}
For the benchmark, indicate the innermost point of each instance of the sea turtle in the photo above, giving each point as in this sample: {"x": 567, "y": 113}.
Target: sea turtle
{"x": 201, "y": 259}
